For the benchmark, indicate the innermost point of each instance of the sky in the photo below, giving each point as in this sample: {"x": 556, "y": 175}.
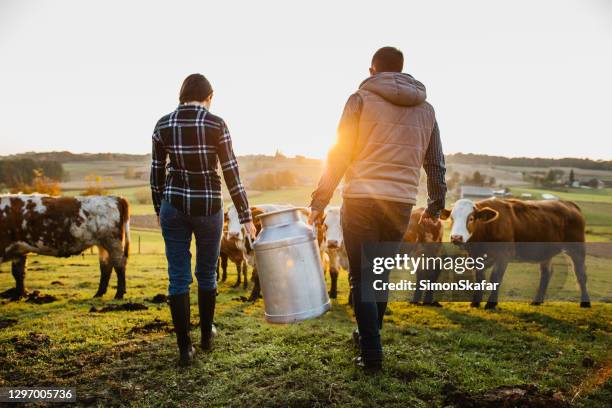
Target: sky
{"x": 512, "y": 78}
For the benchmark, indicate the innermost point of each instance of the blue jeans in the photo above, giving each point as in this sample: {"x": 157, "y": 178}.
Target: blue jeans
{"x": 177, "y": 229}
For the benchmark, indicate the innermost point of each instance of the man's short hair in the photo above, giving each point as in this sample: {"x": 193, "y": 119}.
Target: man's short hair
{"x": 195, "y": 88}
{"x": 388, "y": 59}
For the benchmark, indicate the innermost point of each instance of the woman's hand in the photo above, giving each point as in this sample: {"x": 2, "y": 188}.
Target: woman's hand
{"x": 250, "y": 229}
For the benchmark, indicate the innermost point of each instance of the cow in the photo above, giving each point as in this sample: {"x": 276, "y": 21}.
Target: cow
{"x": 334, "y": 247}
{"x": 426, "y": 234}
{"x": 233, "y": 248}
{"x": 65, "y": 226}
{"x": 559, "y": 223}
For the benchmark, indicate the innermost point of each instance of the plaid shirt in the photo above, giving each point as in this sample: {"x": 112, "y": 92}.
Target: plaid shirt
{"x": 187, "y": 144}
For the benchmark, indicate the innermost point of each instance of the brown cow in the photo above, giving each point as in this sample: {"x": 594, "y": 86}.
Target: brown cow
{"x": 427, "y": 234}
{"x": 61, "y": 227}
{"x": 518, "y": 222}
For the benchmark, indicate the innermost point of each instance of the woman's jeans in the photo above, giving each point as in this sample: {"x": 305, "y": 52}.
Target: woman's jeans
{"x": 177, "y": 229}
{"x": 368, "y": 220}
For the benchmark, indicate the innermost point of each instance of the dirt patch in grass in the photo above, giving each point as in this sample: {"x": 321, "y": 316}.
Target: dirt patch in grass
{"x": 507, "y": 396}
{"x": 4, "y": 323}
{"x": 155, "y": 326}
{"x": 37, "y": 298}
{"x": 123, "y": 307}
{"x": 159, "y": 298}
{"x": 32, "y": 342}
{"x": 58, "y": 283}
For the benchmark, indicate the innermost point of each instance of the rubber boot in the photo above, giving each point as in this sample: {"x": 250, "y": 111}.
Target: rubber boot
{"x": 206, "y": 303}
{"x": 179, "y": 308}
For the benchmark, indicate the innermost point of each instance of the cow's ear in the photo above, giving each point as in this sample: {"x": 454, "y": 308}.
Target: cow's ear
{"x": 486, "y": 215}
{"x": 445, "y": 214}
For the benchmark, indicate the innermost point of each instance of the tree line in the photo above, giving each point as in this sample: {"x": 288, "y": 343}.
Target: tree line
{"x": 470, "y": 158}
{"x": 17, "y": 172}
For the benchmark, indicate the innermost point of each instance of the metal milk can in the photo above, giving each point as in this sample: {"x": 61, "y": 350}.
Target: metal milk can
{"x": 289, "y": 267}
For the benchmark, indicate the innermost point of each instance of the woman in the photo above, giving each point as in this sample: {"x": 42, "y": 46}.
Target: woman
{"x": 187, "y": 145}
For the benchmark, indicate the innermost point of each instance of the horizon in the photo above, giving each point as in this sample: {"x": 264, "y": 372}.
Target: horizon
{"x": 533, "y": 86}
{"x": 298, "y": 155}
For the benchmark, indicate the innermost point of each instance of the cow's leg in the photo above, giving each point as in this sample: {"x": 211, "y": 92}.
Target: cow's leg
{"x": 239, "y": 272}
{"x": 256, "y": 291}
{"x": 477, "y": 297}
{"x": 333, "y": 275}
{"x": 245, "y": 272}
{"x": 218, "y": 275}
{"x": 18, "y": 269}
{"x": 121, "y": 287}
{"x": 119, "y": 261}
{"x": 224, "y": 267}
{"x": 428, "y": 297}
{"x": 416, "y": 297}
{"x": 106, "y": 268}
{"x": 578, "y": 256}
{"x": 545, "y": 274}
{"x": 497, "y": 275}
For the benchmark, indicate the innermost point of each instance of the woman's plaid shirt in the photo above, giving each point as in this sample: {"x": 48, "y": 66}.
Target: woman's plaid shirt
{"x": 187, "y": 144}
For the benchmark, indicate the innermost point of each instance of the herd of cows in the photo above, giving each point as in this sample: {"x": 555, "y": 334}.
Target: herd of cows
{"x": 65, "y": 226}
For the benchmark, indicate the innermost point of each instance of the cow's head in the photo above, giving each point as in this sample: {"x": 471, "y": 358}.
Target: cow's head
{"x": 466, "y": 217}
{"x": 234, "y": 227}
{"x": 333, "y": 228}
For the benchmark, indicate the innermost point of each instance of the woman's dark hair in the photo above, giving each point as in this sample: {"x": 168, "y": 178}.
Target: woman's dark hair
{"x": 195, "y": 88}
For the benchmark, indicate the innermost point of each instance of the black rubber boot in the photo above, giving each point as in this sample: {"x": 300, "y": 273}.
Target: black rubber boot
{"x": 206, "y": 303}
{"x": 180, "y": 310}
{"x": 368, "y": 366}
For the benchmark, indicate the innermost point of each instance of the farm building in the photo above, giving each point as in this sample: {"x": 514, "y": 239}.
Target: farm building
{"x": 475, "y": 192}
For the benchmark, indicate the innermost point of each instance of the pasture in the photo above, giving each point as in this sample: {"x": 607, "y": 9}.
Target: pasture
{"x": 552, "y": 355}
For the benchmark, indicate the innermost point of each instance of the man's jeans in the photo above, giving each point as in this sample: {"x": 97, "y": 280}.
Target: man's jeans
{"x": 177, "y": 229}
{"x": 369, "y": 220}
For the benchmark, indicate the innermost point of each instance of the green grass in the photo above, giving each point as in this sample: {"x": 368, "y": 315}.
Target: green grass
{"x": 427, "y": 351}
{"x": 603, "y": 195}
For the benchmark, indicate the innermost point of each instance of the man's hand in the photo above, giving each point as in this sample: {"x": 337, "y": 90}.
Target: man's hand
{"x": 315, "y": 216}
{"x": 428, "y": 219}
{"x": 250, "y": 229}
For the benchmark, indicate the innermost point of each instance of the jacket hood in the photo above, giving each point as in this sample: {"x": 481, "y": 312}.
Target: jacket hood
{"x": 396, "y": 87}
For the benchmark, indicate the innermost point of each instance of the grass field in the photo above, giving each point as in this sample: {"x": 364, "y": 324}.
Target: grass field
{"x": 553, "y": 355}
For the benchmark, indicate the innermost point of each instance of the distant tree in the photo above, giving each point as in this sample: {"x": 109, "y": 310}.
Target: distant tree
{"x": 96, "y": 185}
{"x": 40, "y": 185}
{"x": 14, "y": 172}
{"x": 572, "y": 177}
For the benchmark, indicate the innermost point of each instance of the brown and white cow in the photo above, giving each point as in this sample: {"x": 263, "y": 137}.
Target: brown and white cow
{"x": 427, "y": 234}
{"x": 233, "y": 248}
{"x": 521, "y": 223}
{"x": 334, "y": 247}
{"x": 65, "y": 226}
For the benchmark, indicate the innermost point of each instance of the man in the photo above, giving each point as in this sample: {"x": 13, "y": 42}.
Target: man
{"x": 386, "y": 134}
